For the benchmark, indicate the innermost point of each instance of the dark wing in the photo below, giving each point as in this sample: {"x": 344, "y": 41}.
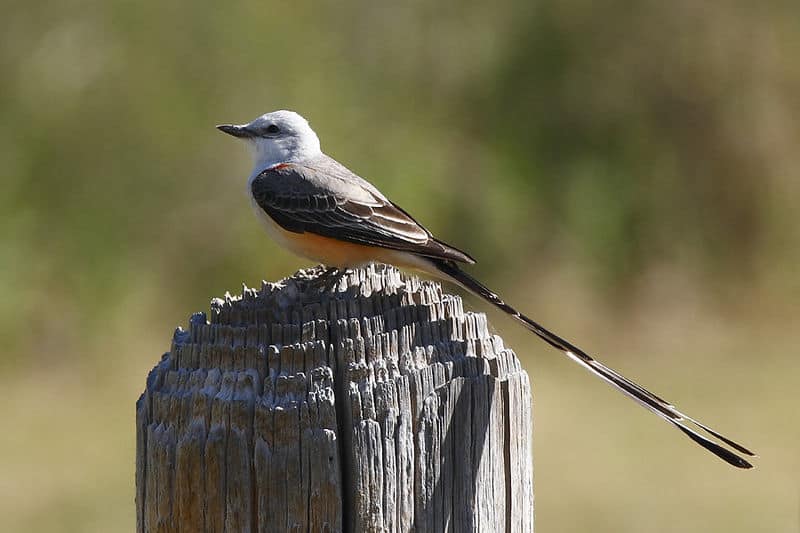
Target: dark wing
{"x": 328, "y": 200}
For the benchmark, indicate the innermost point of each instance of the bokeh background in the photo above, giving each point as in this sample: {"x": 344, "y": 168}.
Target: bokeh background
{"x": 627, "y": 173}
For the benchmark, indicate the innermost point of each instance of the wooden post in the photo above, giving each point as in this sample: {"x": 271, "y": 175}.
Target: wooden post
{"x": 376, "y": 405}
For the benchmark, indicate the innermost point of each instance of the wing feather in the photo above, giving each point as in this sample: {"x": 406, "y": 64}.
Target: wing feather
{"x": 326, "y": 199}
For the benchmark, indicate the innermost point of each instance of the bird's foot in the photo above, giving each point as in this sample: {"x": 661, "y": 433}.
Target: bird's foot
{"x": 329, "y": 279}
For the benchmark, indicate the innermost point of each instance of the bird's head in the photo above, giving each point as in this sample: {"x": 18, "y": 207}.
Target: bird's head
{"x": 277, "y": 137}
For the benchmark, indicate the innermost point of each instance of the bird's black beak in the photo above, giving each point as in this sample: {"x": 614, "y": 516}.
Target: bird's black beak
{"x": 242, "y": 132}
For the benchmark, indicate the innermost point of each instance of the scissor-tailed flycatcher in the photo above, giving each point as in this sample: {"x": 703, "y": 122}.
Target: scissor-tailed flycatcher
{"x": 317, "y": 208}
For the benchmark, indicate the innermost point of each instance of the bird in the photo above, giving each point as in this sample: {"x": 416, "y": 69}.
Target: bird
{"x": 319, "y": 209}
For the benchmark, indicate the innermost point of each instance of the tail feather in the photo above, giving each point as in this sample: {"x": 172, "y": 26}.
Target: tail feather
{"x": 647, "y": 399}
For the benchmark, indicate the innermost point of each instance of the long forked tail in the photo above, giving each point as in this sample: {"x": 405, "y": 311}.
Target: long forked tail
{"x": 644, "y": 397}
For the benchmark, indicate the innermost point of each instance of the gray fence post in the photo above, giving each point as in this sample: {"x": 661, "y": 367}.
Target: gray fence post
{"x": 375, "y": 405}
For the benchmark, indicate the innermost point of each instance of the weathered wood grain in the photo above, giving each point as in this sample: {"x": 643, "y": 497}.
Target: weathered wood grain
{"x": 375, "y": 405}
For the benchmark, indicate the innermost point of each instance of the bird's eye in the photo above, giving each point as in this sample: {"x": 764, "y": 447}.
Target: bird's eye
{"x": 272, "y": 128}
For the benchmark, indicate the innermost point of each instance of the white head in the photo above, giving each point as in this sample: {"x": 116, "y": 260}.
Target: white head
{"x": 277, "y": 137}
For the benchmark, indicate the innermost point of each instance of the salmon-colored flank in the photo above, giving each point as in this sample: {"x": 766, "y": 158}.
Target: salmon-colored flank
{"x": 333, "y": 252}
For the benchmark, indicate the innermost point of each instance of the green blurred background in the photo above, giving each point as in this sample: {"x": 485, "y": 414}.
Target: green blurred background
{"x": 627, "y": 173}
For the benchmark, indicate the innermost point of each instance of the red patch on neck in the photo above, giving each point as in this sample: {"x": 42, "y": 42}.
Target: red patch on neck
{"x": 278, "y": 166}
